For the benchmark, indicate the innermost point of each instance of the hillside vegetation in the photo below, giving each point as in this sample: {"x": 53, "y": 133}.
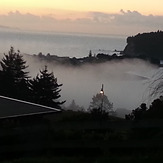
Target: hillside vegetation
{"x": 145, "y": 46}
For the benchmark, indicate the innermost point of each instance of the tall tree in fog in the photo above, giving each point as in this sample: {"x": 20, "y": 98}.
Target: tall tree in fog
{"x": 45, "y": 89}
{"x": 100, "y": 101}
{"x": 73, "y": 106}
{"x": 13, "y": 76}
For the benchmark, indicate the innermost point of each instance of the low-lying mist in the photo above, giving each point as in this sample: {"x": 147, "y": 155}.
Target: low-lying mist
{"x": 125, "y": 82}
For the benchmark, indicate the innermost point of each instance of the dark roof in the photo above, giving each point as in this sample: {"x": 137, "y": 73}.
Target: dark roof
{"x": 10, "y": 107}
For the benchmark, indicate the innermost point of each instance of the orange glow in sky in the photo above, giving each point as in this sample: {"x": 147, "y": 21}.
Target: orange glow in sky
{"x": 87, "y": 16}
{"x": 110, "y": 6}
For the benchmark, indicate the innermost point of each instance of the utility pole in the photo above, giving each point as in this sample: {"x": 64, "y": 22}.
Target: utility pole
{"x": 102, "y": 97}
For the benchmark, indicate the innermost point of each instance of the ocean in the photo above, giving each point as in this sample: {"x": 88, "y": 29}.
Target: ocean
{"x": 60, "y": 44}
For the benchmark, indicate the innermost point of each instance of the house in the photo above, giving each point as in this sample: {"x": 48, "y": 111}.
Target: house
{"x": 161, "y": 63}
{"x": 13, "y": 108}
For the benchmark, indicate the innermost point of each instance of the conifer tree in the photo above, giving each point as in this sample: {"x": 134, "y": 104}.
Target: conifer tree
{"x": 45, "y": 89}
{"x": 101, "y": 106}
{"x": 13, "y": 76}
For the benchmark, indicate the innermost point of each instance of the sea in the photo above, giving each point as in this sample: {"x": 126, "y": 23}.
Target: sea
{"x": 60, "y": 44}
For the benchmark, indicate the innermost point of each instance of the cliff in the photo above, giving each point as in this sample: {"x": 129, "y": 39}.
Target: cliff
{"x": 146, "y": 46}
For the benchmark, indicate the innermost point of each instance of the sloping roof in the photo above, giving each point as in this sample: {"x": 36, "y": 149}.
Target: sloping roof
{"x": 10, "y": 107}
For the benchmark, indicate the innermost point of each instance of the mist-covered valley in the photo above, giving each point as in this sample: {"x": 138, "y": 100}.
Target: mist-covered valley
{"x": 125, "y": 82}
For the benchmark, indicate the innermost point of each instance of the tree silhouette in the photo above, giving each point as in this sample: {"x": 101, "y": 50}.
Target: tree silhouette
{"x": 74, "y": 107}
{"x": 101, "y": 100}
{"x": 138, "y": 113}
{"x": 100, "y": 107}
{"x": 13, "y": 76}
{"x": 45, "y": 89}
{"x": 155, "y": 110}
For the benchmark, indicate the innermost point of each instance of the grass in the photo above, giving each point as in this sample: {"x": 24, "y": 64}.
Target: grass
{"x": 116, "y": 159}
{"x": 75, "y": 137}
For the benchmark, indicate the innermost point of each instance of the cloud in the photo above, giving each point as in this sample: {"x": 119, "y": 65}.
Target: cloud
{"x": 18, "y": 17}
{"x": 97, "y": 22}
{"x": 100, "y": 17}
{"x": 128, "y": 18}
{"x": 135, "y": 18}
{"x": 126, "y": 21}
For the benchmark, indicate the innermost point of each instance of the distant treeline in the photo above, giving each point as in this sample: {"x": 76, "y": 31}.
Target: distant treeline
{"x": 91, "y": 59}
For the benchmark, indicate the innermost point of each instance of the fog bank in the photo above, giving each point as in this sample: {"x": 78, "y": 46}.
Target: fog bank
{"x": 125, "y": 82}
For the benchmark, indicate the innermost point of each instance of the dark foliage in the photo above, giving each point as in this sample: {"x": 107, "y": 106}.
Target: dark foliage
{"x": 138, "y": 113}
{"x": 76, "y": 136}
{"x": 99, "y": 114}
{"x": 45, "y": 89}
{"x": 16, "y": 83}
{"x": 91, "y": 59}
{"x": 100, "y": 104}
{"x": 155, "y": 111}
{"x": 13, "y": 77}
{"x": 145, "y": 46}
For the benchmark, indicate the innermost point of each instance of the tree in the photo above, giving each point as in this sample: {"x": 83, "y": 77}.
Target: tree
{"x": 101, "y": 100}
{"x": 138, "y": 113}
{"x": 155, "y": 110}
{"x": 100, "y": 106}
{"x": 90, "y": 53}
{"x": 74, "y": 107}
{"x": 13, "y": 76}
{"x": 45, "y": 89}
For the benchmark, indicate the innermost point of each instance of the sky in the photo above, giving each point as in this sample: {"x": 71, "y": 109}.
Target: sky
{"x": 93, "y": 16}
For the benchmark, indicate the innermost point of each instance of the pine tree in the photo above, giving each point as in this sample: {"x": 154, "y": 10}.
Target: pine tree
{"x": 101, "y": 102}
{"x": 74, "y": 107}
{"x": 14, "y": 65}
{"x": 13, "y": 76}
{"x": 45, "y": 89}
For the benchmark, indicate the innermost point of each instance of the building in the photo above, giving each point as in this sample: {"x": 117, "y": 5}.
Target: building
{"x": 13, "y": 108}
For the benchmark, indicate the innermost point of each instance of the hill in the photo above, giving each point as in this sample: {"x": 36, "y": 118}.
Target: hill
{"x": 145, "y": 46}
